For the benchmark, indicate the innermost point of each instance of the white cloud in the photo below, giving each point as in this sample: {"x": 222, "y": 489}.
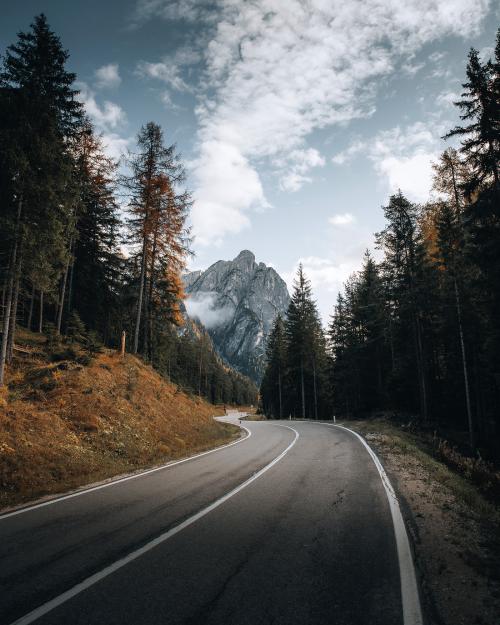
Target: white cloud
{"x": 446, "y": 99}
{"x": 411, "y": 69}
{"x": 108, "y": 76}
{"x": 166, "y": 71}
{"x": 348, "y": 154}
{"x": 327, "y": 276}
{"x": 277, "y": 71}
{"x": 107, "y": 116}
{"x": 486, "y": 53}
{"x": 343, "y": 219}
{"x": 204, "y": 307}
{"x": 411, "y": 174}
{"x": 114, "y": 145}
{"x": 187, "y": 10}
{"x": 404, "y": 157}
{"x": 295, "y": 165}
{"x": 225, "y": 183}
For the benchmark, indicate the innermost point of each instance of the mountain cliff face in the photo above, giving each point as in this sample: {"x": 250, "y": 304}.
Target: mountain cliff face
{"x": 237, "y": 301}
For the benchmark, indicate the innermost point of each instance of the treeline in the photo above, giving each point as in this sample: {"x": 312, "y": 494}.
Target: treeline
{"x": 63, "y": 233}
{"x": 419, "y": 331}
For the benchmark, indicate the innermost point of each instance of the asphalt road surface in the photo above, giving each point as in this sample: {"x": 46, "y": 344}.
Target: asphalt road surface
{"x": 292, "y": 525}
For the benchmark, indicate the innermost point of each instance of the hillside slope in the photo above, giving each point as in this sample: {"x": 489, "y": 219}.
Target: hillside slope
{"x": 64, "y": 424}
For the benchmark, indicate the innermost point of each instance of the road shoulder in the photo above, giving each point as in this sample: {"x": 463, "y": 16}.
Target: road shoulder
{"x": 454, "y": 534}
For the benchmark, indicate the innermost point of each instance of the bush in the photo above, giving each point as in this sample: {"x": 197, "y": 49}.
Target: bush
{"x": 76, "y": 328}
{"x": 477, "y": 470}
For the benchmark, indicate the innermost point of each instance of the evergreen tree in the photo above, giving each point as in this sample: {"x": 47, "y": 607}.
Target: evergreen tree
{"x": 43, "y": 117}
{"x": 94, "y": 278}
{"x": 403, "y": 274}
{"x": 480, "y": 107}
{"x": 480, "y": 148}
{"x": 272, "y": 387}
{"x": 305, "y": 351}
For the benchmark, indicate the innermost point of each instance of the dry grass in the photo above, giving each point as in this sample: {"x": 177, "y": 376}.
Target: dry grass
{"x": 63, "y": 425}
{"x": 456, "y": 476}
{"x": 455, "y": 529}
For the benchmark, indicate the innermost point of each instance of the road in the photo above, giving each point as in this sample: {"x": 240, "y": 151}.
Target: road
{"x": 292, "y": 525}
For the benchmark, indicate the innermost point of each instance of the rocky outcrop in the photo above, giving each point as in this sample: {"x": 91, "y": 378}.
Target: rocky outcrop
{"x": 237, "y": 301}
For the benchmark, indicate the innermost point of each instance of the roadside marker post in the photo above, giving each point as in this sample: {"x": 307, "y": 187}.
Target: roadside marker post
{"x": 122, "y": 350}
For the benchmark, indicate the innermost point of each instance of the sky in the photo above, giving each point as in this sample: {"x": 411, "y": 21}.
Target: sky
{"x": 296, "y": 119}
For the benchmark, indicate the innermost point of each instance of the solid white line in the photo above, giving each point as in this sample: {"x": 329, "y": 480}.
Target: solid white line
{"x": 112, "y": 568}
{"x": 412, "y": 611}
{"x": 112, "y": 482}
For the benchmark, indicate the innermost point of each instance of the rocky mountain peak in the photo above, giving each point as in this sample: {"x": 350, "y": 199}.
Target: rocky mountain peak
{"x": 245, "y": 260}
{"x": 237, "y": 301}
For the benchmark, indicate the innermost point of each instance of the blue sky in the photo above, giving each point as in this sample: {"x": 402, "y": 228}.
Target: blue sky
{"x": 296, "y": 119}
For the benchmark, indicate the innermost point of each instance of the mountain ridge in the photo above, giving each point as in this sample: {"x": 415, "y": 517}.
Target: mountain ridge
{"x": 237, "y": 301}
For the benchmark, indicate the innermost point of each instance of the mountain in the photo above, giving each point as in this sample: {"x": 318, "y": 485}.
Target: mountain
{"x": 237, "y": 302}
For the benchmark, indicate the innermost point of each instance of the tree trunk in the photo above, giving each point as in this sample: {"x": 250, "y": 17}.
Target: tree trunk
{"x": 420, "y": 369}
{"x": 140, "y": 298}
{"x": 70, "y": 287}
{"x": 149, "y": 307}
{"x": 302, "y": 390}
{"x": 200, "y": 368}
{"x": 145, "y": 324}
{"x": 40, "y": 318}
{"x": 472, "y": 438}
{"x": 10, "y": 293}
{"x": 279, "y": 392}
{"x": 60, "y": 307}
{"x": 32, "y": 301}
{"x": 13, "y": 317}
{"x": 315, "y": 392}
{"x": 6, "y": 323}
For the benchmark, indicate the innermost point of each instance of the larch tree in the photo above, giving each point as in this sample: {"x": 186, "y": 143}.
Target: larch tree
{"x": 157, "y": 224}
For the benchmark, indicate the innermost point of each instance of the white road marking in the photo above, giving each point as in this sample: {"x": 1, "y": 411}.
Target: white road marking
{"x": 412, "y": 611}
{"x": 112, "y": 568}
{"x": 112, "y": 482}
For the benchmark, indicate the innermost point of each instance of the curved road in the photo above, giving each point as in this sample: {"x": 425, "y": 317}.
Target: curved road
{"x": 292, "y": 525}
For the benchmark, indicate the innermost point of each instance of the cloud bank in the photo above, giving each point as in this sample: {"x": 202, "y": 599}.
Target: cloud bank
{"x": 277, "y": 71}
{"x": 203, "y": 307}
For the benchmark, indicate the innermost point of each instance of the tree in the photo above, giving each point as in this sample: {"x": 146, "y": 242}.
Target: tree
{"x": 480, "y": 107}
{"x": 403, "y": 273}
{"x": 43, "y": 117}
{"x": 480, "y": 224}
{"x": 357, "y": 342}
{"x": 272, "y": 383}
{"x": 94, "y": 267}
{"x": 157, "y": 225}
{"x": 305, "y": 350}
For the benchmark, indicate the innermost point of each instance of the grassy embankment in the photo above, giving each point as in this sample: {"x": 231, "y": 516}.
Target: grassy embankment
{"x": 77, "y": 420}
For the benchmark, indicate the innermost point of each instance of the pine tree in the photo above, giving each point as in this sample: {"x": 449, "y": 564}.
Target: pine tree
{"x": 481, "y": 137}
{"x": 305, "y": 350}
{"x": 480, "y": 148}
{"x": 94, "y": 268}
{"x": 272, "y": 387}
{"x": 39, "y": 102}
{"x": 402, "y": 272}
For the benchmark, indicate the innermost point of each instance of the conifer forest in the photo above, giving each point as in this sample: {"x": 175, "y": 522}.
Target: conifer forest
{"x": 416, "y": 332}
